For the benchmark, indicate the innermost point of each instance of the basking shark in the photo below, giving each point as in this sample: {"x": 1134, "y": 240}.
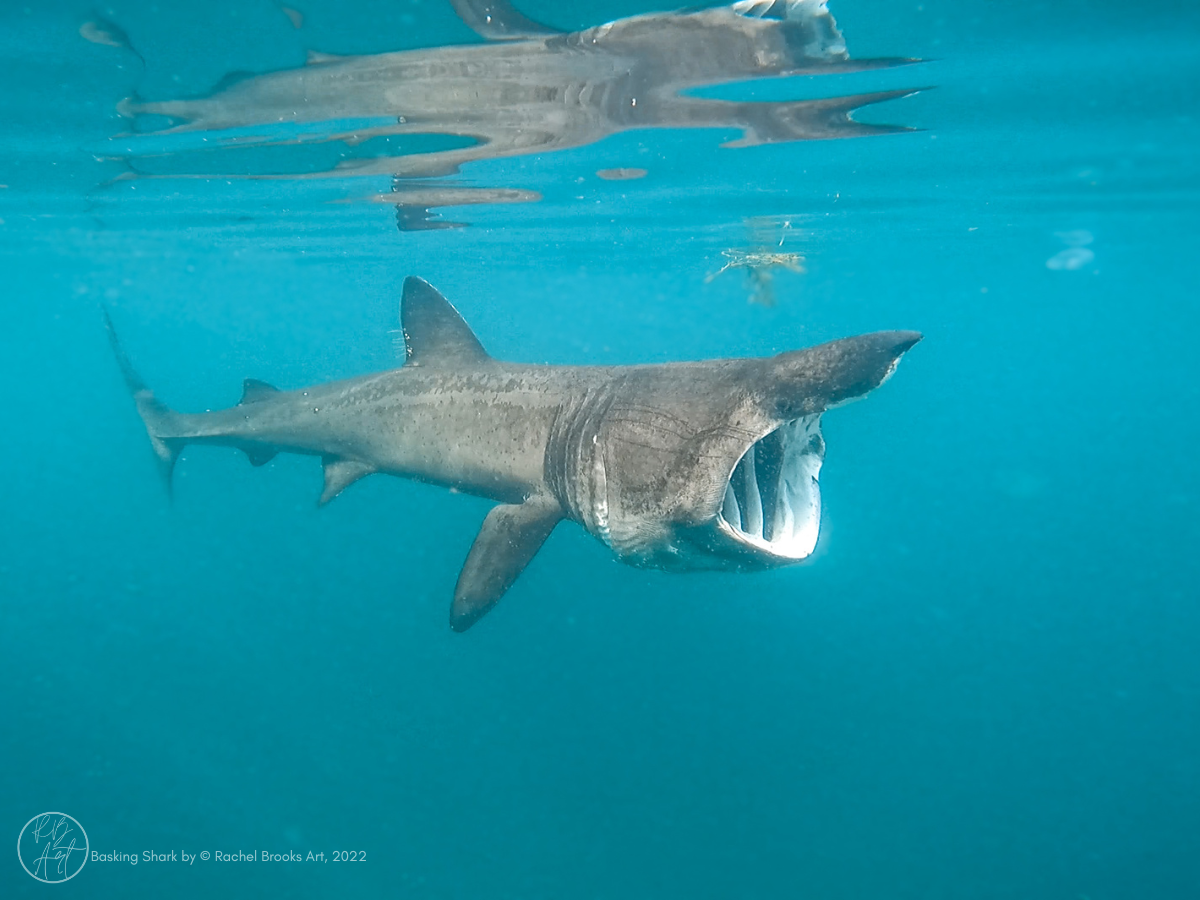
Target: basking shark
{"x": 677, "y": 466}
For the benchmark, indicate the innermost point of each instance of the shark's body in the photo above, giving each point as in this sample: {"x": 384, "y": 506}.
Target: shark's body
{"x": 677, "y": 466}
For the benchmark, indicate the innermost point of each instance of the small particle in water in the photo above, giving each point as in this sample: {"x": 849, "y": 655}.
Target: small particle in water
{"x": 621, "y": 174}
{"x": 1070, "y": 259}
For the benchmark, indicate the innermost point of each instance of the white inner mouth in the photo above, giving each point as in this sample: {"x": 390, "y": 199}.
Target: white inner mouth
{"x": 773, "y": 499}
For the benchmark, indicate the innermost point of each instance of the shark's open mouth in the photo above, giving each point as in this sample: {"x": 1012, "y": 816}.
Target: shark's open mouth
{"x": 773, "y": 499}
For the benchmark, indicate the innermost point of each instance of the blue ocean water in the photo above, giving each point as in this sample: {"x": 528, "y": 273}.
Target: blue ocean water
{"x": 984, "y": 684}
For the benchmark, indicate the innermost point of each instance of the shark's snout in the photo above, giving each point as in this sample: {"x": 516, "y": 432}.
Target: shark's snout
{"x": 903, "y": 341}
{"x": 808, "y": 382}
{"x": 894, "y": 345}
{"x": 860, "y": 364}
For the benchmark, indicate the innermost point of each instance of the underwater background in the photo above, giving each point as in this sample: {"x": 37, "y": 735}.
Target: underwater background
{"x": 984, "y": 684}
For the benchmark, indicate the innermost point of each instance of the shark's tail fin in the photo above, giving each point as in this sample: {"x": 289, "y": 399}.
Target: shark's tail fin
{"x": 155, "y": 415}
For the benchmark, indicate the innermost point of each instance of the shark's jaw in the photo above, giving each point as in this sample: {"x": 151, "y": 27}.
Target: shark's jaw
{"x": 772, "y": 503}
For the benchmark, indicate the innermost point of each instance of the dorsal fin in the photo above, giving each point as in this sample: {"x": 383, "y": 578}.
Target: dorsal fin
{"x": 254, "y": 390}
{"x": 434, "y": 333}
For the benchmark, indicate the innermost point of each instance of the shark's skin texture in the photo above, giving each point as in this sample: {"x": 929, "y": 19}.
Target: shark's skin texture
{"x": 531, "y": 90}
{"x": 657, "y": 461}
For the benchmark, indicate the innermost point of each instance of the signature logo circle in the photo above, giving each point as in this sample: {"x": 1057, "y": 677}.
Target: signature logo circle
{"x": 52, "y": 847}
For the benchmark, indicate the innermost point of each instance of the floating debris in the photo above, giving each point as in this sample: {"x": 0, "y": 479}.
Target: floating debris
{"x": 753, "y": 259}
{"x": 1076, "y": 256}
{"x": 761, "y": 259}
{"x": 621, "y": 174}
{"x": 1070, "y": 259}
{"x": 415, "y": 203}
{"x": 758, "y": 265}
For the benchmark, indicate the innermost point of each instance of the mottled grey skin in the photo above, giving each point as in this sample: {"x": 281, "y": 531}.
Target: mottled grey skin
{"x": 638, "y": 455}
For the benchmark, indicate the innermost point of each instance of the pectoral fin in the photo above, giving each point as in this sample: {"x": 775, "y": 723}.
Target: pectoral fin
{"x": 510, "y": 537}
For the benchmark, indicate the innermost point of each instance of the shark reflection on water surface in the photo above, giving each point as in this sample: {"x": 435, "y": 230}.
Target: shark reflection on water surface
{"x": 530, "y": 89}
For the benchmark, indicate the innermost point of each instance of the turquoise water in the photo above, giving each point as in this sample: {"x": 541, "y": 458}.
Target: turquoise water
{"x": 983, "y": 684}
